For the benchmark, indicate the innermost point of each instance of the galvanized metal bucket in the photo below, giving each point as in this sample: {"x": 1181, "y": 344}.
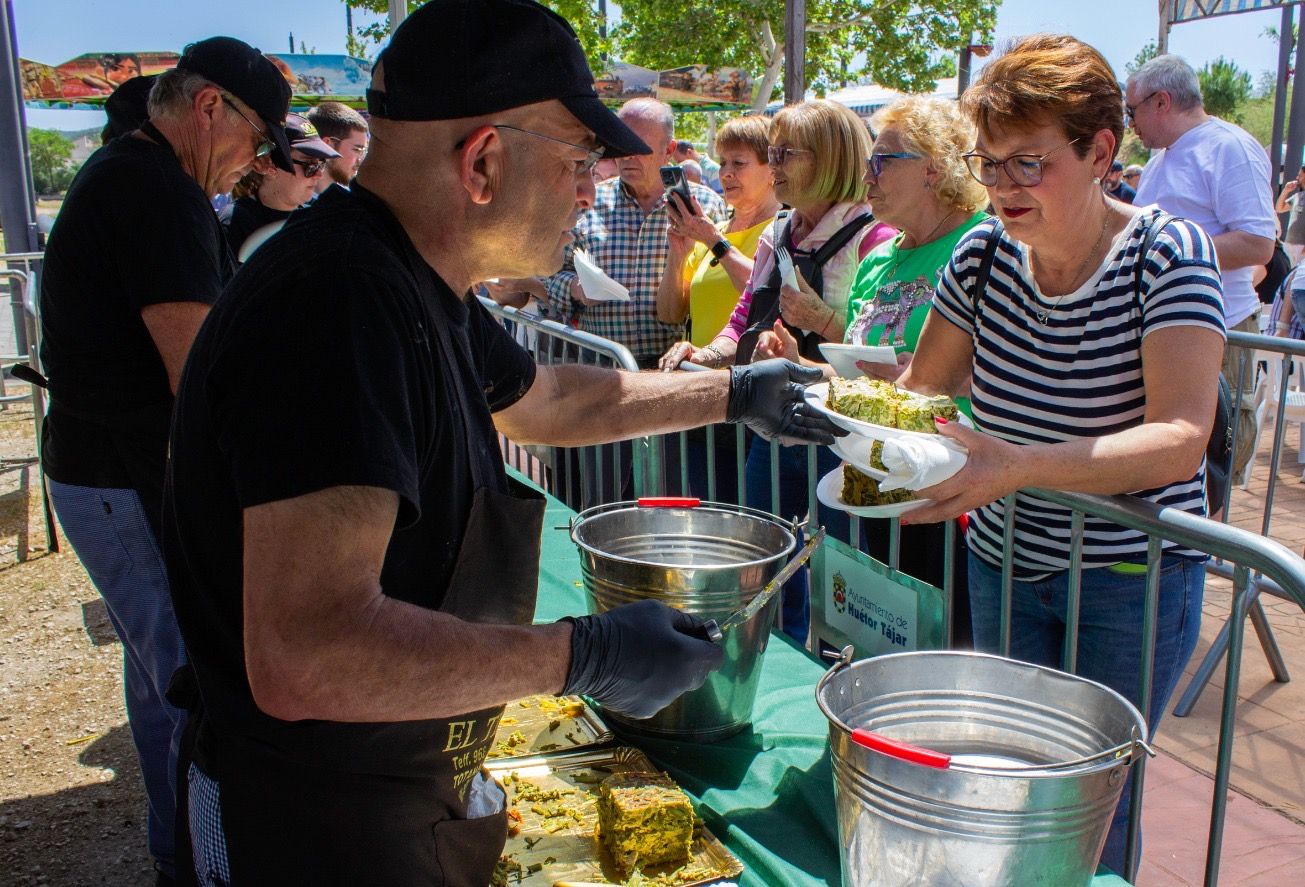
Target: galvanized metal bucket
{"x": 969, "y": 770}
{"x": 706, "y": 558}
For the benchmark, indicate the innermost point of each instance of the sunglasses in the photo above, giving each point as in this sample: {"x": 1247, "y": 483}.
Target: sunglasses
{"x": 265, "y": 145}
{"x": 1024, "y": 170}
{"x": 778, "y": 155}
{"x": 310, "y": 167}
{"x": 874, "y": 164}
{"x": 1130, "y": 111}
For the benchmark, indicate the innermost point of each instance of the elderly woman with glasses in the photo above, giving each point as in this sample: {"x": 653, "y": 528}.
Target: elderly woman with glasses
{"x": 1089, "y": 334}
{"x": 919, "y": 183}
{"x": 817, "y": 157}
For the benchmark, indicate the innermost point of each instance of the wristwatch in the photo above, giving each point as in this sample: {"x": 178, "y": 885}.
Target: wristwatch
{"x": 719, "y": 250}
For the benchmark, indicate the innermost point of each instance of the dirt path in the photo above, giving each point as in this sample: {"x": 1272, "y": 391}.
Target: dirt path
{"x": 71, "y": 802}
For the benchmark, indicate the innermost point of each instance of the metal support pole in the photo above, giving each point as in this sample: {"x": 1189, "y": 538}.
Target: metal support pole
{"x": 398, "y": 12}
{"x": 1280, "y": 173}
{"x": 17, "y": 195}
{"x": 963, "y": 67}
{"x": 1296, "y": 119}
{"x": 1166, "y": 16}
{"x": 795, "y": 51}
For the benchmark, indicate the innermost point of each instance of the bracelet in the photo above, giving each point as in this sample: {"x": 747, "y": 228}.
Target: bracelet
{"x": 716, "y": 352}
{"x": 823, "y": 329}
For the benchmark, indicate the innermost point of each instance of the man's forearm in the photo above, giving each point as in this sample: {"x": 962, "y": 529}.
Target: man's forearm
{"x": 590, "y": 405}
{"x": 1237, "y": 249}
{"x": 394, "y": 661}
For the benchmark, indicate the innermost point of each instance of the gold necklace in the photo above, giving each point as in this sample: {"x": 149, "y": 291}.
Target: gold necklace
{"x": 1045, "y": 313}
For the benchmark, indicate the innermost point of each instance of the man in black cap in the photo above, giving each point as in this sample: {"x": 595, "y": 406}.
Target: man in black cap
{"x": 134, "y": 261}
{"x": 354, "y": 572}
{"x": 267, "y": 195}
{"x": 1115, "y": 185}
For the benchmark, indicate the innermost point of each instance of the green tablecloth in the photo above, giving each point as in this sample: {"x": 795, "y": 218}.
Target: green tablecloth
{"x": 767, "y": 792}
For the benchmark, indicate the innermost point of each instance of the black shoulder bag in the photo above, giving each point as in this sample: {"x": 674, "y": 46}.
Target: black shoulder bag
{"x": 1219, "y": 449}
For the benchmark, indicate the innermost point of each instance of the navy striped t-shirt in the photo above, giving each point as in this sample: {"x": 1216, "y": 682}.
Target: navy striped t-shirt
{"x": 1077, "y": 376}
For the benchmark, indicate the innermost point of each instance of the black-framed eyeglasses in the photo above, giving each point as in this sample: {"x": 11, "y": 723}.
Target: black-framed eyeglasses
{"x": 1024, "y": 170}
{"x": 265, "y": 145}
{"x": 591, "y": 158}
{"x": 874, "y": 164}
{"x": 310, "y": 167}
{"x": 360, "y": 150}
{"x": 778, "y": 155}
{"x": 1130, "y": 111}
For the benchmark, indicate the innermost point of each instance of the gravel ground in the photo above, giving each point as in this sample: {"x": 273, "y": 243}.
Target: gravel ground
{"x": 72, "y": 809}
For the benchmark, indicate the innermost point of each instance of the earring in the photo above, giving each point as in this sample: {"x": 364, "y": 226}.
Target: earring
{"x": 1096, "y": 180}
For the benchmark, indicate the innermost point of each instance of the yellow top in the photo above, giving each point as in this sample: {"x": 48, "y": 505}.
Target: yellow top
{"x": 712, "y": 295}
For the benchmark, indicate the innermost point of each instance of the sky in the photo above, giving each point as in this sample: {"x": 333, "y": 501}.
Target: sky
{"x": 53, "y": 31}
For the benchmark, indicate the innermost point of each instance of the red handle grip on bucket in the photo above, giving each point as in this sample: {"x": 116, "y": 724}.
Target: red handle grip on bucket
{"x": 901, "y": 750}
{"x": 669, "y": 502}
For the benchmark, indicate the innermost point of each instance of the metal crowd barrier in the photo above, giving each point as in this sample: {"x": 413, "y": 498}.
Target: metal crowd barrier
{"x": 19, "y": 274}
{"x": 1254, "y": 563}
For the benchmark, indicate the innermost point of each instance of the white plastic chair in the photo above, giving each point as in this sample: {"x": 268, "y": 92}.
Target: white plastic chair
{"x": 1295, "y": 406}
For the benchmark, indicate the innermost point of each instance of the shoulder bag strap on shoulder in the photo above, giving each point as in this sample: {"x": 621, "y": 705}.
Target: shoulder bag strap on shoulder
{"x": 985, "y": 266}
{"x": 840, "y": 239}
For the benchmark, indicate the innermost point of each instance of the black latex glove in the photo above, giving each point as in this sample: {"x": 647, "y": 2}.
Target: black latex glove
{"x": 767, "y": 397}
{"x": 638, "y": 658}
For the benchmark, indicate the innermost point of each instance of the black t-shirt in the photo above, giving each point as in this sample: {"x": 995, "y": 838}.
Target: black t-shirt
{"x": 134, "y": 230}
{"x": 320, "y": 368}
{"x": 245, "y": 216}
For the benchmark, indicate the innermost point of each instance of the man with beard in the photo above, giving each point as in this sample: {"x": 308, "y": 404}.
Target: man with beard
{"x": 345, "y": 130}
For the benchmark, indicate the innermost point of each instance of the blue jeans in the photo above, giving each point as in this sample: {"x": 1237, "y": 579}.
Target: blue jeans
{"x": 793, "y": 501}
{"x": 113, "y": 540}
{"x": 1109, "y": 639}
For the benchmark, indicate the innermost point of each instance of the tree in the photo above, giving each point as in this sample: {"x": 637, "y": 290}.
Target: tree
{"x": 51, "y": 153}
{"x": 1224, "y": 89}
{"x": 1144, "y": 55}
{"x": 903, "y": 44}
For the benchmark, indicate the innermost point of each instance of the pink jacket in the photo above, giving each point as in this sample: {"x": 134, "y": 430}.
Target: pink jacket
{"x": 838, "y": 272}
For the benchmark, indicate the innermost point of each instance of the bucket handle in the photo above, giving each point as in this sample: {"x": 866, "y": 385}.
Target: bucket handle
{"x": 929, "y": 758}
{"x": 903, "y": 751}
{"x": 668, "y": 502}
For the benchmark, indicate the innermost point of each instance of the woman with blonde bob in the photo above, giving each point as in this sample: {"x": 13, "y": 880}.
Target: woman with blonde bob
{"x": 817, "y": 155}
{"x": 918, "y": 183}
{"x": 1092, "y": 348}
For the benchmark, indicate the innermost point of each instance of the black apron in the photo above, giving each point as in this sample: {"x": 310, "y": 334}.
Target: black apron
{"x": 296, "y": 825}
{"x": 764, "y": 309}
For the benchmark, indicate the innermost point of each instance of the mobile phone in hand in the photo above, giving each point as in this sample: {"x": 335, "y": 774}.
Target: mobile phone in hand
{"x": 674, "y": 182}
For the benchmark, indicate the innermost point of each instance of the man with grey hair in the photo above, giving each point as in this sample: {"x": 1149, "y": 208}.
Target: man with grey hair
{"x": 1217, "y": 175}
{"x": 353, "y": 568}
{"x": 120, "y": 307}
{"x": 624, "y": 234}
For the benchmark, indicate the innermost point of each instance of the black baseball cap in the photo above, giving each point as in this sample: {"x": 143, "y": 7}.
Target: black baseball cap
{"x": 127, "y": 106}
{"x": 465, "y": 58}
{"x": 304, "y": 137}
{"x": 248, "y": 75}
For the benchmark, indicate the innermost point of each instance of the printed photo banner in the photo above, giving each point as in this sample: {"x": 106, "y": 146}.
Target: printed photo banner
{"x": 698, "y": 84}
{"x": 88, "y": 79}
{"x": 622, "y": 82}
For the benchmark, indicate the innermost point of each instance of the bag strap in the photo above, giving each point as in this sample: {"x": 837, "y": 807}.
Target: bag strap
{"x": 840, "y": 239}
{"x": 985, "y": 266}
{"x": 1148, "y": 240}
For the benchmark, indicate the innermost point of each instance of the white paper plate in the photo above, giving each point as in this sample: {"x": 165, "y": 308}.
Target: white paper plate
{"x": 830, "y": 492}
{"x": 817, "y": 395}
{"x": 856, "y": 449}
{"x": 843, "y": 358}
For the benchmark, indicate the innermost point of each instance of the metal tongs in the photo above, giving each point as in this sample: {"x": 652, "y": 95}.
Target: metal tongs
{"x": 715, "y": 632}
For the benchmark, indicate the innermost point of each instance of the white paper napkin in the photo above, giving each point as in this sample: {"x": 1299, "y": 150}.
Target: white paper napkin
{"x": 594, "y": 281}
{"x": 914, "y": 463}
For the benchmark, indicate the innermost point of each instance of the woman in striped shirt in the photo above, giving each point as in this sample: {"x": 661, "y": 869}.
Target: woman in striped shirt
{"x": 1080, "y": 379}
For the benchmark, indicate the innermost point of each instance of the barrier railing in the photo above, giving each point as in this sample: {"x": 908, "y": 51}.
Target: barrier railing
{"x": 19, "y": 282}
{"x": 1255, "y": 563}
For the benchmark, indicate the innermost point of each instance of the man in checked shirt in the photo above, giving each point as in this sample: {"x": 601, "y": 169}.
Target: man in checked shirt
{"x": 624, "y": 232}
